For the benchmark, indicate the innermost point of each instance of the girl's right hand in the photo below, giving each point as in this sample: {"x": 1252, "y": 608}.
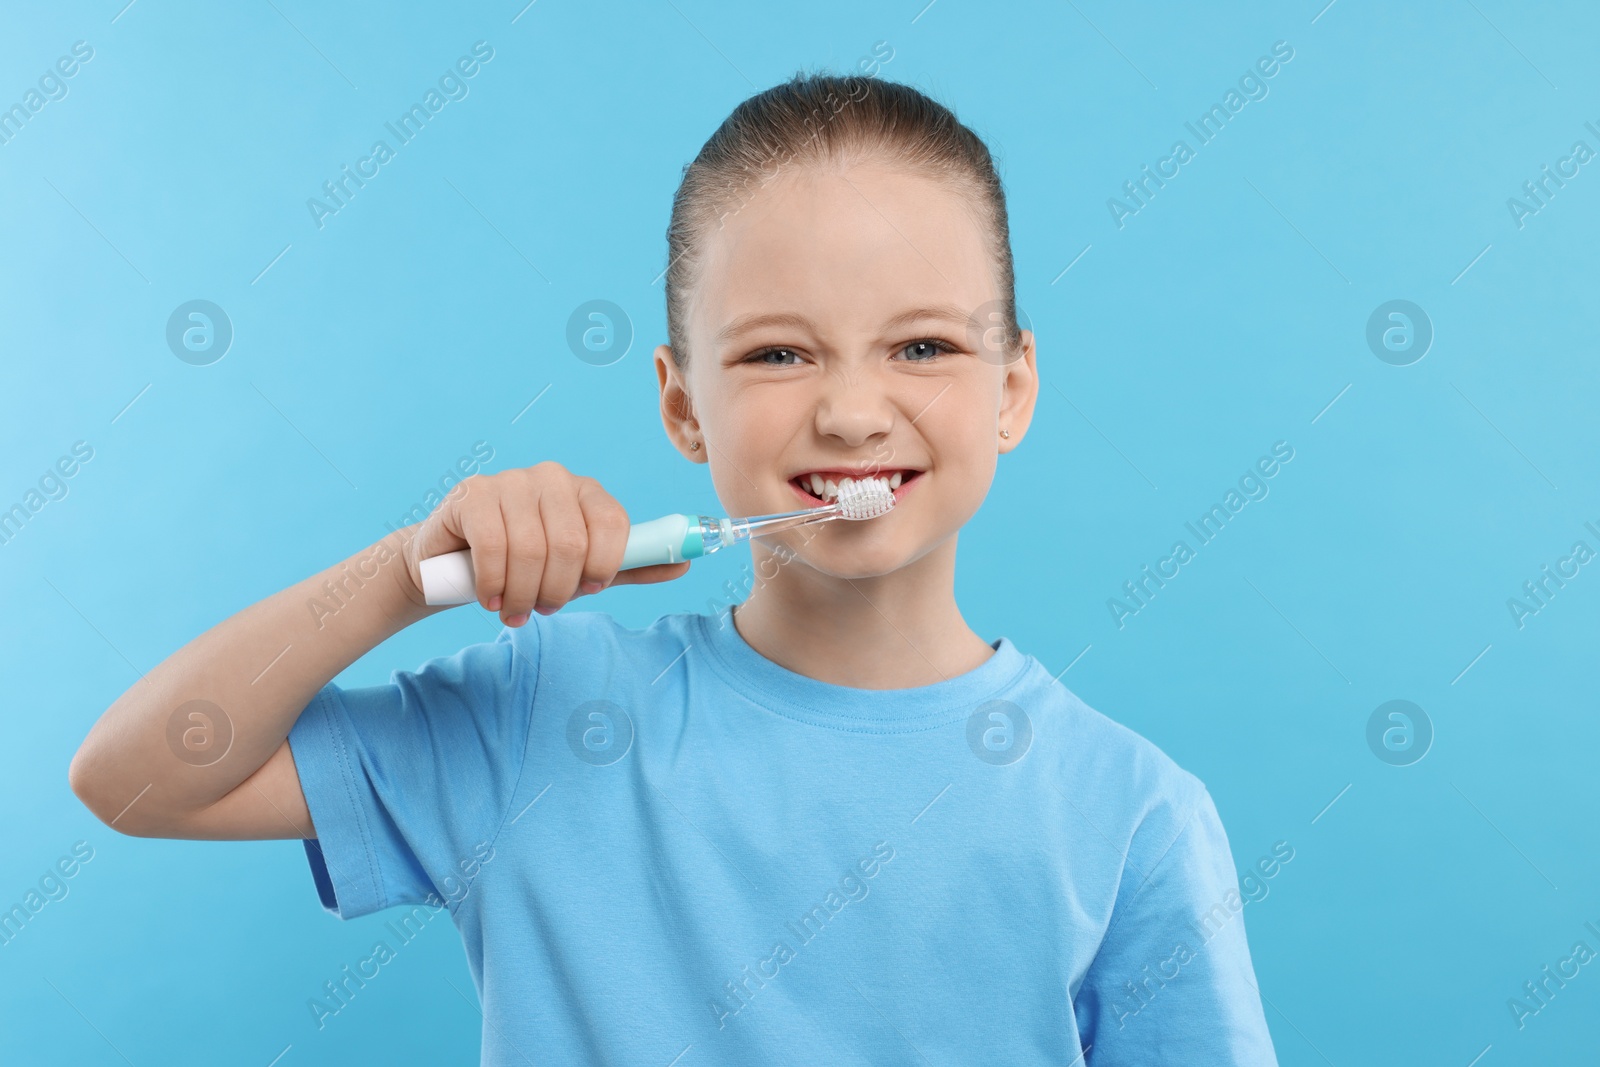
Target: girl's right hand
{"x": 539, "y": 536}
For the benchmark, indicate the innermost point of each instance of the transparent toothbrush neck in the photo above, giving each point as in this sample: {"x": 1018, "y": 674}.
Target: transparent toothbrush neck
{"x": 717, "y": 533}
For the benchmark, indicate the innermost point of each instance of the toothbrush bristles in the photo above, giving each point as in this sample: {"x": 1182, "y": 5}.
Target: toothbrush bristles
{"x": 865, "y": 499}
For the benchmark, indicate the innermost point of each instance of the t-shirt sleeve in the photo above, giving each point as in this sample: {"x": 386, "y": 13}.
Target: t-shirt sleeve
{"x": 403, "y": 780}
{"x": 1172, "y": 982}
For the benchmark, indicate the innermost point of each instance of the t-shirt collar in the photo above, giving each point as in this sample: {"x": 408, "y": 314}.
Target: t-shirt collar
{"x": 842, "y": 707}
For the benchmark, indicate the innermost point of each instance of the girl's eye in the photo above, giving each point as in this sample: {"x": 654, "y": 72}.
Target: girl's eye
{"x": 761, "y": 357}
{"x": 926, "y": 351}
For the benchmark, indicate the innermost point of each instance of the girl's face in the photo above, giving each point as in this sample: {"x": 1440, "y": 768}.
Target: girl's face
{"x": 837, "y": 326}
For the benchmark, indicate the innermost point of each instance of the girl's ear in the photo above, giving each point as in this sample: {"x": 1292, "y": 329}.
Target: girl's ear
{"x": 1019, "y": 392}
{"x": 677, "y": 408}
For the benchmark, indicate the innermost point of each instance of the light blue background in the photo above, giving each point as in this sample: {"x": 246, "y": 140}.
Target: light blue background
{"x": 1223, "y": 317}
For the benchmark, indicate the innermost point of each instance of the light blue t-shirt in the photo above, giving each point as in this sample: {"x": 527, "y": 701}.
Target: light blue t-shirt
{"x": 660, "y": 847}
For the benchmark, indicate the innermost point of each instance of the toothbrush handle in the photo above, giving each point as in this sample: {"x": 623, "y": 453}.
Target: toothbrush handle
{"x": 669, "y": 539}
{"x": 449, "y": 579}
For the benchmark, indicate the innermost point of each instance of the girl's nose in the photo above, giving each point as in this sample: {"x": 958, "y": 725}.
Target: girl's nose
{"x": 854, "y": 407}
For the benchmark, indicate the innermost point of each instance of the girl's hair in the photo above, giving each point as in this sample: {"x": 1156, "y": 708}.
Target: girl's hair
{"x": 823, "y": 119}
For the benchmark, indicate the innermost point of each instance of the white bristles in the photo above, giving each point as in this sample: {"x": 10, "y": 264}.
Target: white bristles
{"x": 865, "y": 499}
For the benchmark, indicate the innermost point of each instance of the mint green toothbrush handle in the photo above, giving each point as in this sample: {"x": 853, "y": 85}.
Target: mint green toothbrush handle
{"x": 669, "y": 539}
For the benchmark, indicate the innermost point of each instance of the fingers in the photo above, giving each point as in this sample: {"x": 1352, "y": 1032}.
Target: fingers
{"x": 607, "y": 523}
{"x": 526, "y": 548}
{"x": 484, "y": 529}
{"x": 566, "y": 548}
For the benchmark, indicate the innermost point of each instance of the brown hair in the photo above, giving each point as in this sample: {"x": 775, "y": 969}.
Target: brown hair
{"x": 820, "y": 119}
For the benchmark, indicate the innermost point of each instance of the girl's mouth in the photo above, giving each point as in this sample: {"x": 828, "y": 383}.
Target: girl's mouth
{"x": 818, "y": 488}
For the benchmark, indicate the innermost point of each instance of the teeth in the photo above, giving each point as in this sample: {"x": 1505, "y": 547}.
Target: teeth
{"x": 828, "y": 489}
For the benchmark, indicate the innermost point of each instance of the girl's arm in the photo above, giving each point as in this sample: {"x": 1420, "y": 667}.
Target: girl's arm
{"x": 198, "y": 748}
{"x": 156, "y": 765}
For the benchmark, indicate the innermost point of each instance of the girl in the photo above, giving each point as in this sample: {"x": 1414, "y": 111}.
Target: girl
{"x": 833, "y": 825}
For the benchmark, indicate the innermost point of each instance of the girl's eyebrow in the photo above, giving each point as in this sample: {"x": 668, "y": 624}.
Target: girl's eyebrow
{"x": 747, "y": 323}
{"x": 945, "y": 312}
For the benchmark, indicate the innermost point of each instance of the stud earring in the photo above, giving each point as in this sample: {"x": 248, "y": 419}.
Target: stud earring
{"x": 694, "y": 446}
{"x": 1005, "y": 433}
